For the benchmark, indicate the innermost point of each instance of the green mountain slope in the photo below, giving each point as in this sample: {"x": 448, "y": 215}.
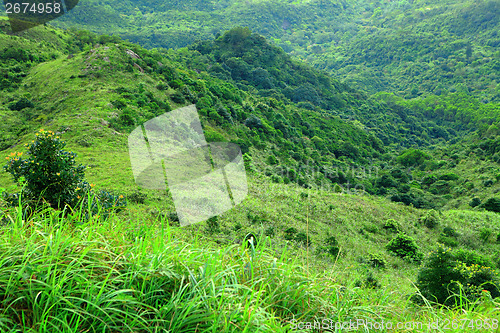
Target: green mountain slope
{"x": 410, "y": 48}
{"x": 323, "y": 178}
{"x": 298, "y": 124}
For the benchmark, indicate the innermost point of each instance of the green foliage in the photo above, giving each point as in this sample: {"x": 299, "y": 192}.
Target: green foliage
{"x": 444, "y": 273}
{"x": 404, "y": 247}
{"x": 331, "y": 246}
{"x": 368, "y": 282}
{"x": 392, "y": 225}
{"x": 303, "y": 239}
{"x": 430, "y": 219}
{"x": 447, "y": 240}
{"x": 377, "y": 260}
{"x": 449, "y": 176}
{"x": 492, "y": 204}
{"x": 50, "y": 173}
{"x": 126, "y": 120}
{"x": 290, "y": 233}
{"x": 413, "y": 157}
{"x": 449, "y": 232}
{"x": 137, "y": 197}
{"x": 21, "y": 104}
{"x": 271, "y": 160}
{"x": 436, "y": 279}
{"x": 213, "y": 224}
{"x": 253, "y": 122}
{"x": 440, "y": 187}
{"x": 475, "y": 202}
{"x": 485, "y": 234}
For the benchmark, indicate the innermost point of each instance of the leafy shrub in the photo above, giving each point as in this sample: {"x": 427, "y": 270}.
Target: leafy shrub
{"x": 217, "y": 118}
{"x": 253, "y": 122}
{"x": 488, "y": 183}
{"x": 269, "y": 232}
{"x": 178, "y": 97}
{"x": 444, "y": 273}
{"x": 125, "y": 121}
{"x": 213, "y": 224}
{"x": 248, "y": 161}
{"x": 429, "y": 180}
{"x": 119, "y": 103}
{"x": 437, "y": 275}
{"x": 431, "y": 219}
{"x": 492, "y": 204}
{"x": 475, "y": 202}
{"x": 331, "y": 246}
{"x": 377, "y": 261}
{"x": 301, "y": 237}
{"x": 449, "y": 176}
{"x": 447, "y": 241}
{"x": 271, "y": 160}
{"x": 440, "y": 187}
{"x": 413, "y": 157}
{"x": 222, "y": 111}
{"x": 368, "y": 282}
{"x": 392, "y": 225}
{"x": 101, "y": 203}
{"x": 21, "y": 104}
{"x": 448, "y": 237}
{"x": 50, "y": 173}
{"x": 449, "y": 232}
{"x": 85, "y": 141}
{"x": 471, "y": 257}
{"x": 404, "y": 247}
{"x": 290, "y": 233}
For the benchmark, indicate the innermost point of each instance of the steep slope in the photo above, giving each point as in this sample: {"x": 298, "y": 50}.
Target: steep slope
{"x": 273, "y": 109}
{"x": 307, "y": 168}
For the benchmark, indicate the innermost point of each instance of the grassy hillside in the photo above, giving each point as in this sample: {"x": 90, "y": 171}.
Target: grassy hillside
{"x": 135, "y": 272}
{"x": 322, "y": 186}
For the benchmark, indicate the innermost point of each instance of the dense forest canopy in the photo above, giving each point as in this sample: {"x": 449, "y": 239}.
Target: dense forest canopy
{"x": 410, "y": 48}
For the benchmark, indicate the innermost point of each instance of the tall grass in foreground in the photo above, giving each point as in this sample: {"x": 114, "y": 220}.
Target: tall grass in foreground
{"x": 68, "y": 273}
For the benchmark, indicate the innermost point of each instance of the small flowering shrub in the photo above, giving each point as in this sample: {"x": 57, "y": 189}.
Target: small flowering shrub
{"x": 49, "y": 172}
{"x": 446, "y": 274}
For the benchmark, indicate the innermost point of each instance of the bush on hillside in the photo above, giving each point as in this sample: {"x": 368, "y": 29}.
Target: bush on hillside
{"x": 492, "y": 204}
{"x": 475, "y": 202}
{"x": 430, "y": 219}
{"x": 404, "y": 247}
{"x": 290, "y": 233}
{"x": 445, "y": 275}
{"x": 49, "y": 174}
{"x": 303, "y": 239}
{"x": 377, "y": 260}
{"x": 331, "y": 246}
{"x": 413, "y": 157}
{"x": 392, "y": 225}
